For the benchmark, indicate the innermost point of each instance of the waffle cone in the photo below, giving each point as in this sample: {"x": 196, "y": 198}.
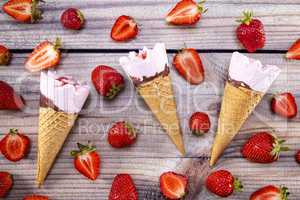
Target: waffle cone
{"x": 158, "y": 95}
{"x": 54, "y": 127}
{"x": 238, "y": 103}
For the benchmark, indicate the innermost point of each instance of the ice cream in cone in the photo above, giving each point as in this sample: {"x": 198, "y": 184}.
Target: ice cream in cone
{"x": 61, "y": 100}
{"x": 149, "y": 72}
{"x": 248, "y": 81}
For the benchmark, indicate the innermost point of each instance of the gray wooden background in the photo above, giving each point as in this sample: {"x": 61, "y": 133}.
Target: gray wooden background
{"x": 153, "y": 153}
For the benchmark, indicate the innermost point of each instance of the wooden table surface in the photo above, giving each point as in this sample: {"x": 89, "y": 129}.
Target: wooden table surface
{"x": 153, "y": 154}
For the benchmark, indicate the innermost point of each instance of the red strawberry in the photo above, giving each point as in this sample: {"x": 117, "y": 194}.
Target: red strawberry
{"x": 199, "y": 123}
{"x": 284, "y": 105}
{"x": 173, "y": 186}
{"x": 72, "y": 18}
{"x": 270, "y": 192}
{"x": 188, "y": 64}
{"x": 14, "y": 146}
{"x": 121, "y": 134}
{"x": 87, "y": 161}
{"x": 36, "y": 197}
{"x": 107, "y": 81}
{"x": 222, "y": 183}
{"x": 45, "y": 55}
{"x": 251, "y": 33}
{"x": 125, "y": 28}
{"x": 123, "y": 188}
{"x": 9, "y": 100}
{"x": 186, "y": 12}
{"x": 294, "y": 51}
{"x": 297, "y": 157}
{"x": 25, "y": 11}
{"x": 5, "y": 55}
{"x": 6, "y": 182}
{"x": 263, "y": 147}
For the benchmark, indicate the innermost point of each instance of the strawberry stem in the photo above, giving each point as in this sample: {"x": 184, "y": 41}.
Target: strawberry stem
{"x": 248, "y": 15}
{"x": 277, "y": 147}
{"x": 114, "y": 91}
{"x": 238, "y": 187}
{"x": 58, "y": 43}
{"x": 201, "y": 8}
{"x": 284, "y": 193}
{"x": 83, "y": 149}
{"x": 13, "y": 131}
{"x": 131, "y": 129}
{"x": 35, "y": 11}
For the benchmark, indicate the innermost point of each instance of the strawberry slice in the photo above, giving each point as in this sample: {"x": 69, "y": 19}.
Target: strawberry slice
{"x": 123, "y": 188}
{"x": 45, "y": 55}
{"x": 6, "y": 182}
{"x": 285, "y": 105}
{"x": 270, "y": 192}
{"x": 25, "y": 11}
{"x": 186, "y": 12}
{"x": 125, "y": 28}
{"x": 14, "y": 146}
{"x": 188, "y": 64}
{"x": 87, "y": 161}
{"x": 294, "y": 51}
{"x": 36, "y": 197}
{"x": 173, "y": 186}
{"x": 9, "y": 100}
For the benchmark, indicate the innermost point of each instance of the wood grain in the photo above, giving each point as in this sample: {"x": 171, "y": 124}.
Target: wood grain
{"x": 215, "y": 31}
{"x": 153, "y": 153}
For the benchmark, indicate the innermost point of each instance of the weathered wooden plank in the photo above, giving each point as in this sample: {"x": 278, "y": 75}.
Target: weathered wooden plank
{"x": 281, "y": 19}
{"x": 153, "y": 153}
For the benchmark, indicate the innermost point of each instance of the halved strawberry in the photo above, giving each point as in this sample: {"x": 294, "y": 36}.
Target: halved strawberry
{"x": 87, "y": 161}
{"x": 123, "y": 188}
{"x": 6, "y": 182}
{"x": 45, "y": 55}
{"x": 173, "y": 185}
{"x": 186, "y": 12}
{"x": 125, "y": 28}
{"x": 294, "y": 51}
{"x": 285, "y": 105}
{"x": 25, "y": 11}
{"x": 35, "y": 197}
{"x": 270, "y": 192}
{"x": 188, "y": 64}
{"x": 14, "y": 146}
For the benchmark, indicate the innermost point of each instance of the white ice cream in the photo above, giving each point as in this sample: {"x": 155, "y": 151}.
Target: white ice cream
{"x": 146, "y": 63}
{"x": 65, "y": 93}
{"x": 251, "y": 72}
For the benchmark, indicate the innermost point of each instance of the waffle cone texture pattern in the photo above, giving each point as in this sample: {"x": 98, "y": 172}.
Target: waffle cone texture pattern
{"x": 237, "y": 105}
{"x": 54, "y": 127}
{"x": 158, "y": 95}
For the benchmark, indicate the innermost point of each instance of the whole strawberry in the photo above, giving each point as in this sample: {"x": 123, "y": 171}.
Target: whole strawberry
{"x": 87, "y": 161}
{"x": 5, "y": 55}
{"x": 9, "y": 100}
{"x": 263, "y": 147}
{"x": 107, "y": 81}
{"x": 222, "y": 183}
{"x": 72, "y": 18}
{"x": 123, "y": 188}
{"x": 121, "y": 134}
{"x": 6, "y": 182}
{"x": 251, "y": 33}
{"x": 14, "y": 146}
{"x": 199, "y": 123}
{"x": 173, "y": 185}
{"x": 270, "y": 192}
{"x": 25, "y": 11}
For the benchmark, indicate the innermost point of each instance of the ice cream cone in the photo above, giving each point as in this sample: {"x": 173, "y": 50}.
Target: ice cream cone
{"x": 238, "y": 103}
{"x": 62, "y": 98}
{"x": 158, "y": 95}
{"x": 248, "y": 81}
{"x": 54, "y": 127}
